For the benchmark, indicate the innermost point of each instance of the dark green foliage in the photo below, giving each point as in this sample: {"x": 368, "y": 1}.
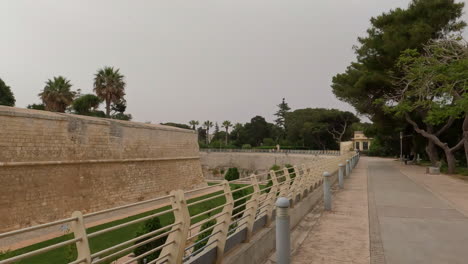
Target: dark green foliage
{"x": 6, "y": 95}
{"x": 149, "y": 226}
{"x": 118, "y": 110}
{"x": 36, "y": 106}
{"x": 269, "y": 142}
{"x": 241, "y": 203}
{"x": 87, "y": 105}
{"x": 315, "y": 127}
{"x": 246, "y": 146}
{"x": 57, "y": 94}
{"x": 232, "y": 174}
{"x": 176, "y": 125}
{"x": 208, "y": 231}
{"x": 372, "y": 76}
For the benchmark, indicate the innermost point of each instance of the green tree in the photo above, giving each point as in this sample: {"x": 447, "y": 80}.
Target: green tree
{"x": 109, "y": 85}
{"x": 118, "y": 110}
{"x": 6, "y": 96}
{"x": 340, "y": 125}
{"x": 150, "y": 225}
{"x": 371, "y": 77}
{"x": 226, "y": 125}
{"x": 283, "y": 110}
{"x": 434, "y": 90}
{"x": 208, "y": 124}
{"x": 57, "y": 95}
{"x": 184, "y": 126}
{"x": 36, "y": 106}
{"x": 87, "y": 105}
{"x": 194, "y": 124}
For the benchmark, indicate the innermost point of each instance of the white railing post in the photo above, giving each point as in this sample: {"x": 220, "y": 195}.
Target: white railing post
{"x": 176, "y": 249}
{"x": 286, "y": 184}
{"x": 79, "y": 230}
{"x": 327, "y": 191}
{"x": 252, "y": 206}
{"x": 222, "y": 230}
{"x": 348, "y": 170}
{"x": 340, "y": 175}
{"x": 271, "y": 198}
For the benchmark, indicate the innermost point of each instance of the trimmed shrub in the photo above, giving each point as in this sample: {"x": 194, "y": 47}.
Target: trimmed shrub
{"x": 208, "y": 231}
{"x": 149, "y": 226}
{"x": 232, "y": 174}
{"x": 237, "y": 195}
{"x": 246, "y": 146}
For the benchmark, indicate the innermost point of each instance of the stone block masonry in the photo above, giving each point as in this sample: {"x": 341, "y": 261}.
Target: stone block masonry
{"x": 52, "y": 164}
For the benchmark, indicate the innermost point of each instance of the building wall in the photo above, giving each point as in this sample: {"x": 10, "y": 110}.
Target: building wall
{"x": 52, "y": 164}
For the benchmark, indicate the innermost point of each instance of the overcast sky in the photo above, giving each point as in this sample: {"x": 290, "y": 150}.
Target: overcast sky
{"x": 202, "y": 59}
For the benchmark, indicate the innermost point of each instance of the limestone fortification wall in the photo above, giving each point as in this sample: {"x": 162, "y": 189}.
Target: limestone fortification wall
{"x": 52, "y": 164}
{"x": 215, "y": 164}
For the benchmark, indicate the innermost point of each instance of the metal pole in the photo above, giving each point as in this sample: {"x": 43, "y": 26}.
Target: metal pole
{"x": 283, "y": 232}
{"x": 348, "y": 170}
{"x": 401, "y": 146}
{"x": 340, "y": 176}
{"x": 327, "y": 199}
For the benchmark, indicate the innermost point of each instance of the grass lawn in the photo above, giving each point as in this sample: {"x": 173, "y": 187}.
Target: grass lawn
{"x": 106, "y": 240}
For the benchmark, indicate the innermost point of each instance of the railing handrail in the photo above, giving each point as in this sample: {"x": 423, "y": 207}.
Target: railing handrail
{"x": 235, "y": 212}
{"x": 274, "y": 150}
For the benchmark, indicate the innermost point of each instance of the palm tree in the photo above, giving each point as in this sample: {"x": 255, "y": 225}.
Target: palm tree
{"x": 193, "y": 123}
{"x": 208, "y": 124}
{"x": 109, "y": 85}
{"x": 227, "y": 124}
{"x": 57, "y": 95}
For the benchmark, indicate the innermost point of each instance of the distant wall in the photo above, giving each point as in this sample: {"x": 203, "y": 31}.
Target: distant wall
{"x": 52, "y": 164}
{"x": 215, "y": 164}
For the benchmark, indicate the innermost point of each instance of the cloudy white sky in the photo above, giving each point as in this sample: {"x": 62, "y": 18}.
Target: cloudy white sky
{"x": 205, "y": 59}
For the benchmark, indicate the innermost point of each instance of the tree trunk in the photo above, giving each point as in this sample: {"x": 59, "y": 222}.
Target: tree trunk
{"x": 450, "y": 160}
{"x": 465, "y": 136}
{"x": 447, "y": 150}
{"x": 431, "y": 151}
{"x": 226, "y": 136}
{"x": 108, "y": 108}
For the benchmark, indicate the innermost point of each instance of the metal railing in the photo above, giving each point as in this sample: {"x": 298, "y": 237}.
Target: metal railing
{"x": 285, "y": 151}
{"x": 193, "y": 232}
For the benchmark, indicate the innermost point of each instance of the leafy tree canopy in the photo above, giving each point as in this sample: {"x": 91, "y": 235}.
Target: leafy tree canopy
{"x": 6, "y": 96}
{"x": 377, "y": 53}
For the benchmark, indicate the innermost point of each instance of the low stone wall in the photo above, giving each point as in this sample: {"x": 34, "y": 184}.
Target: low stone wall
{"x": 216, "y": 164}
{"x": 52, "y": 164}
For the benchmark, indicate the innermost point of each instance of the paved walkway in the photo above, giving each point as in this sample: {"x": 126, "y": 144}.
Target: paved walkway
{"x": 342, "y": 235}
{"x": 394, "y": 214}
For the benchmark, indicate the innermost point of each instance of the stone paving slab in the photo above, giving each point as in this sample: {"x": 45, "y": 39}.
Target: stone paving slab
{"x": 416, "y": 225}
{"x": 341, "y": 235}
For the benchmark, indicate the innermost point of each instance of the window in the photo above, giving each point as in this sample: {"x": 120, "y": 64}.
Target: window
{"x": 357, "y": 145}
{"x": 365, "y": 145}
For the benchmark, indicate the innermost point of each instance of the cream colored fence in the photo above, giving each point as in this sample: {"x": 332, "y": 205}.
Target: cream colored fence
{"x": 286, "y": 151}
{"x": 184, "y": 242}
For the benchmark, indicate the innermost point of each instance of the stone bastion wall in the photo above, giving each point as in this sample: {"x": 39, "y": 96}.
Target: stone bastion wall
{"x": 52, "y": 164}
{"x": 216, "y": 164}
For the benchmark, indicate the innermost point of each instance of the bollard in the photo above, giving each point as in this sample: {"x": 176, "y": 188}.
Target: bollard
{"x": 340, "y": 175}
{"x": 327, "y": 199}
{"x": 348, "y": 169}
{"x": 283, "y": 232}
